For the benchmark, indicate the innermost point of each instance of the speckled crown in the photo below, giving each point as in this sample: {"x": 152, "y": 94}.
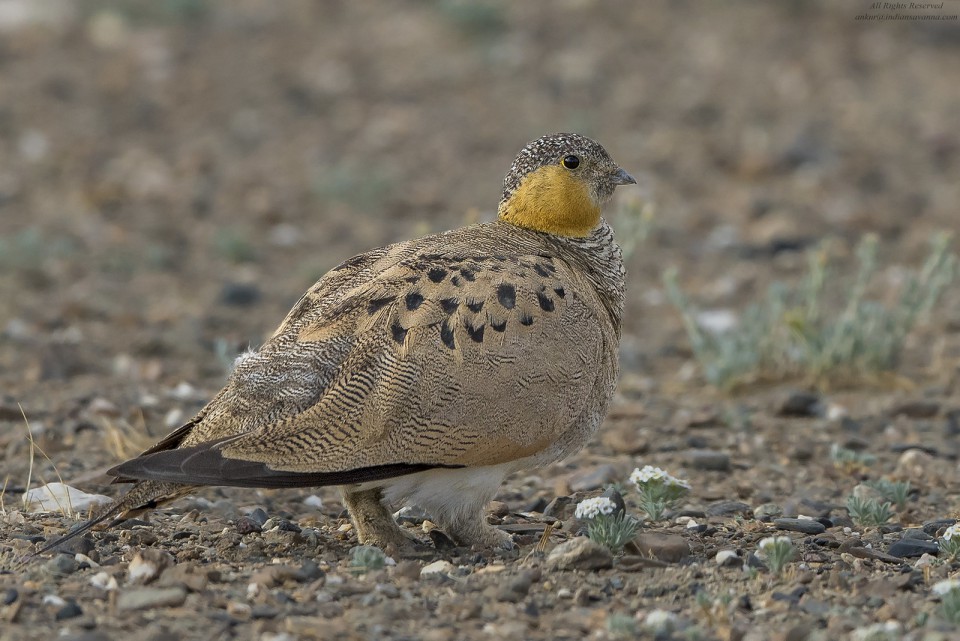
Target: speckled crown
{"x": 548, "y": 150}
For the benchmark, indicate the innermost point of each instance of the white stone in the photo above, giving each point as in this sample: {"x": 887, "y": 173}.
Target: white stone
{"x": 437, "y": 567}
{"x": 58, "y": 497}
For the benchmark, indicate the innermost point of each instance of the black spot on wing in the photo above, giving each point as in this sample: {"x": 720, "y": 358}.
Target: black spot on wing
{"x": 526, "y": 320}
{"x": 377, "y": 304}
{"x": 398, "y": 332}
{"x": 468, "y": 274}
{"x": 507, "y": 295}
{"x": 436, "y": 274}
{"x": 541, "y": 271}
{"x": 476, "y": 333}
{"x": 498, "y": 327}
{"x": 475, "y": 306}
{"x": 449, "y": 305}
{"x": 546, "y": 303}
{"x": 446, "y": 335}
{"x": 413, "y": 300}
{"x": 560, "y": 291}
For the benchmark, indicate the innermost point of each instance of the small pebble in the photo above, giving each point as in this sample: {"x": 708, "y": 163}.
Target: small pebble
{"x": 800, "y": 404}
{"x": 710, "y": 460}
{"x": 728, "y": 559}
{"x": 68, "y": 611}
{"x": 767, "y": 512}
{"x": 10, "y": 595}
{"x": 247, "y": 525}
{"x": 728, "y": 508}
{"x": 62, "y": 565}
{"x": 258, "y": 516}
{"x": 437, "y": 567}
{"x": 807, "y": 526}
{"x": 580, "y": 554}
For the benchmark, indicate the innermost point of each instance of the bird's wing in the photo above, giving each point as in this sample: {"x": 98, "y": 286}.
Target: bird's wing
{"x": 438, "y": 360}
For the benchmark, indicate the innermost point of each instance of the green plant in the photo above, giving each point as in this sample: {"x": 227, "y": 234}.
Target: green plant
{"x": 793, "y": 333}
{"x": 658, "y": 490}
{"x": 868, "y": 512}
{"x": 851, "y": 461}
{"x": 235, "y": 246}
{"x": 950, "y": 542}
{"x": 606, "y": 525}
{"x": 776, "y": 552}
{"x": 622, "y": 626}
{"x": 897, "y": 492}
{"x": 366, "y": 558}
{"x": 949, "y": 593}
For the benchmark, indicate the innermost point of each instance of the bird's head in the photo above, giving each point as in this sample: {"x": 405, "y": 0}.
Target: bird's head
{"x": 558, "y": 183}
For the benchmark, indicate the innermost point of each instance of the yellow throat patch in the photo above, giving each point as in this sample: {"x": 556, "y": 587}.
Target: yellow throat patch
{"x": 552, "y": 200}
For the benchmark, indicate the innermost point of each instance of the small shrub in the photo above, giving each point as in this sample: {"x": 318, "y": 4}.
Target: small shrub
{"x": 776, "y": 552}
{"x": 658, "y": 490}
{"x": 792, "y": 333}
{"x": 868, "y": 512}
{"x": 606, "y": 525}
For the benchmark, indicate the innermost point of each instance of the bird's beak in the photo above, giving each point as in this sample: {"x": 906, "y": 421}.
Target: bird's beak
{"x": 620, "y": 177}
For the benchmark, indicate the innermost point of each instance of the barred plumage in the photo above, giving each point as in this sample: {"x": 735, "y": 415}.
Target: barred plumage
{"x": 430, "y": 369}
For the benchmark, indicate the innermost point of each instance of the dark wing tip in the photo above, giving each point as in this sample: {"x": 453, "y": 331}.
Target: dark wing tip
{"x": 205, "y": 464}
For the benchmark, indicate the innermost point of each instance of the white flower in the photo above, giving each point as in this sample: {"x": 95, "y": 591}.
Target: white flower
{"x": 590, "y": 508}
{"x": 771, "y": 542}
{"x": 950, "y": 532}
{"x": 650, "y": 473}
{"x": 946, "y": 586}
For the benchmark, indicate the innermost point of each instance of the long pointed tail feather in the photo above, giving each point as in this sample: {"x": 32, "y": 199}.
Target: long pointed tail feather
{"x": 143, "y": 496}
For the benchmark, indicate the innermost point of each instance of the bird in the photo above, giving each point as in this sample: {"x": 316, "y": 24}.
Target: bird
{"x": 426, "y": 371}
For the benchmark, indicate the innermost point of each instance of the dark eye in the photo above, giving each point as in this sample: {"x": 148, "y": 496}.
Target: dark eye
{"x": 571, "y": 161}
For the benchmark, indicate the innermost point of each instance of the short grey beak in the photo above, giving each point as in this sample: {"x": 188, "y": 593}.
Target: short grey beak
{"x": 620, "y": 177}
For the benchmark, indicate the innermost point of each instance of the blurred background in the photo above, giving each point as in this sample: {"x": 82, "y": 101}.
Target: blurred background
{"x": 175, "y": 173}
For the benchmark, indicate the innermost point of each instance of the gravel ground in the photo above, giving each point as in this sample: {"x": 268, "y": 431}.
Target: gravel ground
{"x": 174, "y": 174}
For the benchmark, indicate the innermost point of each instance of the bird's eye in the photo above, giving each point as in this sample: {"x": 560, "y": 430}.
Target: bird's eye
{"x": 571, "y": 161}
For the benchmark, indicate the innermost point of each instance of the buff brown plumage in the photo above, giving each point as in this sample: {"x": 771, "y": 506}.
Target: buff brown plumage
{"x": 428, "y": 370}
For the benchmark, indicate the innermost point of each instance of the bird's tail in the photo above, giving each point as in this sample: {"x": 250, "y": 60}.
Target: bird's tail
{"x": 143, "y": 496}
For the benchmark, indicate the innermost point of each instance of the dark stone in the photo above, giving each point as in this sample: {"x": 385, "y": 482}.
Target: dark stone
{"x": 933, "y": 528}
{"x": 441, "y": 541}
{"x": 246, "y": 525}
{"x": 918, "y": 408}
{"x": 78, "y": 545}
{"x": 264, "y": 611}
{"x": 288, "y": 526}
{"x": 711, "y": 460}
{"x": 240, "y": 294}
{"x": 309, "y": 571}
{"x": 560, "y": 508}
{"x": 614, "y": 495}
{"x": 800, "y": 525}
{"x": 800, "y": 404}
{"x": 728, "y": 508}
{"x": 62, "y": 564}
{"x": 70, "y": 610}
{"x": 259, "y": 516}
{"x": 916, "y": 533}
{"x": 910, "y": 548}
